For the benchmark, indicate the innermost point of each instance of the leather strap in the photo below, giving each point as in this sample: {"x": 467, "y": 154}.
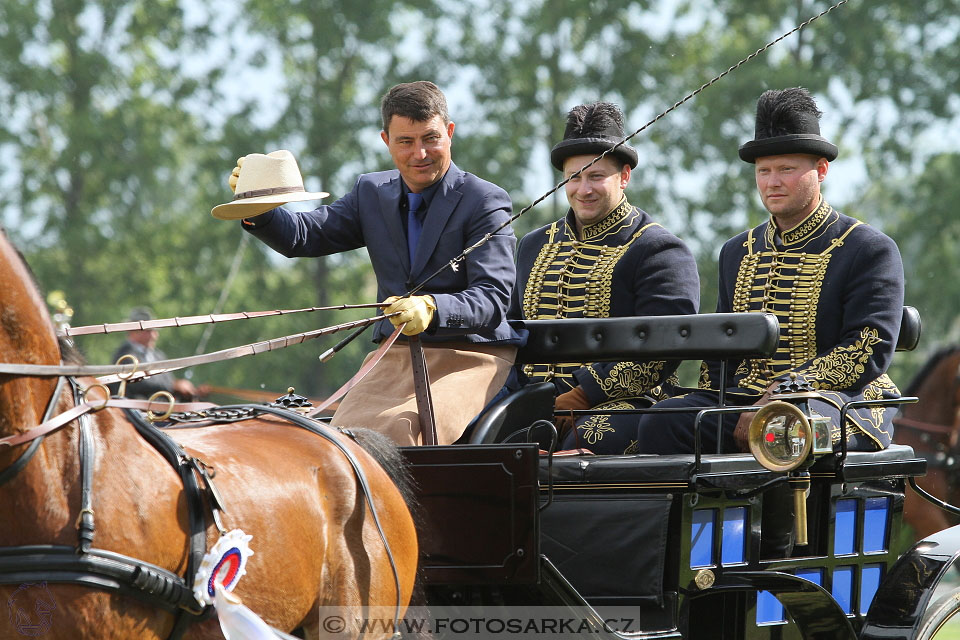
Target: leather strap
{"x": 25, "y": 457}
{"x": 87, "y": 406}
{"x": 421, "y": 387}
{"x": 210, "y": 318}
{"x": 359, "y": 375}
{"x": 925, "y": 427}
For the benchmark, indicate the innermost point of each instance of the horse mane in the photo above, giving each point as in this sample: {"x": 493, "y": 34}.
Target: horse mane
{"x": 69, "y": 354}
{"x": 925, "y": 370}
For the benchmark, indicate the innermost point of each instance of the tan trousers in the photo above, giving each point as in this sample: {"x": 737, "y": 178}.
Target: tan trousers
{"x": 463, "y": 378}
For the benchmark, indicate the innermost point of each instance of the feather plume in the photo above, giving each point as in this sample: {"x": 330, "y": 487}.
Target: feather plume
{"x": 786, "y": 111}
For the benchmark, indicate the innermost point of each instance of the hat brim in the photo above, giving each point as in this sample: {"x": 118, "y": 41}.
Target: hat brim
{"x": 249, "y": 207}
{"x": 783, "y": 145}
{"x": 590, "y": 146}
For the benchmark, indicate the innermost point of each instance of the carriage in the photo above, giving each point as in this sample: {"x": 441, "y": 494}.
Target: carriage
{"x": 681, "y": 546}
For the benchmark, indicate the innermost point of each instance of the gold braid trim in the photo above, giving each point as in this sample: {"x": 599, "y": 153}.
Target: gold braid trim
{"x": 596, "y": 426}
{"x": 629, "y": 379}
{"x": 593, "y": 232}
{"x": 574, "y": 279}
{"x": 843, "y": 366}
{"x": 704, "y": 380}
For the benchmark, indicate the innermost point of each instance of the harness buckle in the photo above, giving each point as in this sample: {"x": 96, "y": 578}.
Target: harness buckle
{"x": 80, "y": 516}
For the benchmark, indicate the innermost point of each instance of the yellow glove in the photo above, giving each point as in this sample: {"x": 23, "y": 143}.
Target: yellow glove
{"x": 232, "y": 180}
{"x": 416, "y": 311}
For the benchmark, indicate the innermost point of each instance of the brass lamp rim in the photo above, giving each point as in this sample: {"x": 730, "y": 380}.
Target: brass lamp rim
{"x": 755, "y": 435}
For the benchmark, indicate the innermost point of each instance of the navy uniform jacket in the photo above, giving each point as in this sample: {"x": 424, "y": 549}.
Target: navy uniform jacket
{"x": 471, "y": 300}
{"x": 625, "y": 265}
{"x": 836, "y": 286}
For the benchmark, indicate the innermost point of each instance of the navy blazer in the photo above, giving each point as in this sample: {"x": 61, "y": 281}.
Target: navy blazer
{"x": 471, "y": 300}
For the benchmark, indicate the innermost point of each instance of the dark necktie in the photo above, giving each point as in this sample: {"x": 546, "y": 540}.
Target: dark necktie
{"x": 414, "y": 226}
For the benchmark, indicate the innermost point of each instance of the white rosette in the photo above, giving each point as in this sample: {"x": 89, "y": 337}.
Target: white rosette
{"x": 224, "y": 564}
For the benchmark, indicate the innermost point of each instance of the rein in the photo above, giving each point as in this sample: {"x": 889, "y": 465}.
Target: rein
{"x": 129, "y": 372}
{"x": 212, "y": 318}
{"x": 86, "y": 406}
{"x": 924, "y": 427}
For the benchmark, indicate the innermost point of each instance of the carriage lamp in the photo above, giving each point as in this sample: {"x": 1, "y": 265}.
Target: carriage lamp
{"x": 785, "y": 437}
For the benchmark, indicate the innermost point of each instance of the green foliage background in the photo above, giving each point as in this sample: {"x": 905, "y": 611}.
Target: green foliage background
{"x": 121, "y": 120}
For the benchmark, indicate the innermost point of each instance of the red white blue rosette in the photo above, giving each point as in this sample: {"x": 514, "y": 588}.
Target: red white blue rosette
{"x": 224, "y": 564}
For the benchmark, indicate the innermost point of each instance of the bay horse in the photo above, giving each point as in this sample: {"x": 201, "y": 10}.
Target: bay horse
{"x": 314, "y": 538}
{"x": 931, "y": 427}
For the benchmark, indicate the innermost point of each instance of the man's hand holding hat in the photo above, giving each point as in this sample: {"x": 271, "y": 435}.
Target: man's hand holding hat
{"x": 235, "y": 175}
{"x": 415, "y": 311}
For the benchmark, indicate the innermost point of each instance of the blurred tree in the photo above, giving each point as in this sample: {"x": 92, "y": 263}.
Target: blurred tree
{"x": 925, "y": 225}
{"x": 97, "y": 136}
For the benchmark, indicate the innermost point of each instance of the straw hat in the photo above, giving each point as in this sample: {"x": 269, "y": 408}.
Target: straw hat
{"x": 265, "y": 181}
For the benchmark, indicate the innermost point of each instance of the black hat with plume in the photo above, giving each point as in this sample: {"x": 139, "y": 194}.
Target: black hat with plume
{"x": 788, "y": 121}
{"x": 591, "y": 130}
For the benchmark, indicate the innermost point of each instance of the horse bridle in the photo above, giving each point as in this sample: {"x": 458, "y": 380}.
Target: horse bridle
{"x": 98, "y": 568}
{"x": 24, "y": 458}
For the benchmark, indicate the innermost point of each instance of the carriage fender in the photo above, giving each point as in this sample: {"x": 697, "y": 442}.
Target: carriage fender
{"x": 904, "y": 594}
{"x": 812, "y": 608}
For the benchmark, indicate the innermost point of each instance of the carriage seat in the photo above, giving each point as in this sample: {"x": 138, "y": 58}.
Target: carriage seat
{"x": 519, "y": 410}
{"x": 909, "y": 330}
{"x": 721, "y": 335}
{"x": 701, "y": 336}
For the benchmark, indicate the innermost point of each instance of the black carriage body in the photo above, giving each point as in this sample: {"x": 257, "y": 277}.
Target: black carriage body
{"x": 633, "y": 534}
{"x": 682, "y": 546}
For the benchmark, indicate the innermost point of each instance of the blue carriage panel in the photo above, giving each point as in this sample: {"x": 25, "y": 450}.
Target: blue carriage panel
{"x": 876, "y": 521}
{"x": 870, "y": 577}
{"x": 845, "y": 527}
{"x": 814, "y": 575}
{"x": 733, "y": 546}
{"x": 842, "y": 589}
{"x": 769, "y": 609}
{"x": 703, "y": 526}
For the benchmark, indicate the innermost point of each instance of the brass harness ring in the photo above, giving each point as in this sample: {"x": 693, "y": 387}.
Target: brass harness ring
{"x": 106, "y": 396}
{"x": 153, "y": 417}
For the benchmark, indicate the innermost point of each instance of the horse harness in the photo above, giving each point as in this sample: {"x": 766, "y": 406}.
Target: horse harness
{"x": 117, "y": 573}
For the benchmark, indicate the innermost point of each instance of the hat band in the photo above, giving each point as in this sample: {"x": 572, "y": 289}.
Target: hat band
{"x": 256, "y": 193}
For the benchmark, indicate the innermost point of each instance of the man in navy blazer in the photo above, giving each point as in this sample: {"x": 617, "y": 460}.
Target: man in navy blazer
{"x": 413, "y": 220}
